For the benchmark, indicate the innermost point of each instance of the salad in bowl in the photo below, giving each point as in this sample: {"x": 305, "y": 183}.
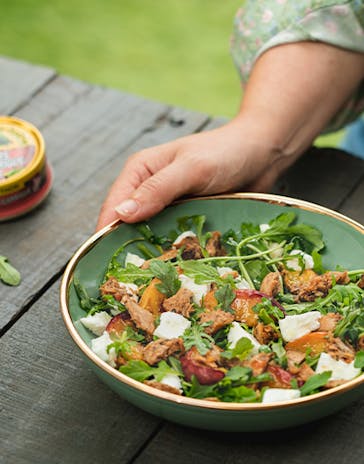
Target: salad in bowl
{"x": 248, "y": 314}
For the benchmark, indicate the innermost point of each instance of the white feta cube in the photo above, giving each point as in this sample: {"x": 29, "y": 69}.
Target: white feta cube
{"x": 173, "y": 381}
{"x": 293, "y": 327}
{"x": 172, "y": 325}
{"x": 182, "y": 236}
{"x": 236, "y": 332}
{"x": 295, "y": 262}
{"x": 99, "y": 347}
{"x": 96, "y": 322}
{"x": 132, "y": 258}
{"x": 198, "y": 291}
{"x": 274, "y": 395}
{"x": 225, "y": 270}
{"x": 264, "y": 227}
{"x": 340, "y": 369}
{"x": 242, "y": 284}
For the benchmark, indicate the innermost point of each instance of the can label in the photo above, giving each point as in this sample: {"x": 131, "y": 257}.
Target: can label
{"x": 17, "y": 150}
{"x": 32, "y": 186}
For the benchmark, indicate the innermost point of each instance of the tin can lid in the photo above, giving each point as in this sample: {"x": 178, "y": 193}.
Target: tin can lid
{"x": 21, "y": 152}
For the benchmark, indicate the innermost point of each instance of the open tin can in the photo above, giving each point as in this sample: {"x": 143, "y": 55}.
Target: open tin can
{"x": 25, "y": 176}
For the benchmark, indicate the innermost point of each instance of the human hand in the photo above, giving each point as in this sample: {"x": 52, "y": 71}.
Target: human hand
{"x": 224, "y": 159}
{"x": 277, "y": 122}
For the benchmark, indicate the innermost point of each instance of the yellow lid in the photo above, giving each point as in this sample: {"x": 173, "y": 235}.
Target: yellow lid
{"x": 21, "y": 153}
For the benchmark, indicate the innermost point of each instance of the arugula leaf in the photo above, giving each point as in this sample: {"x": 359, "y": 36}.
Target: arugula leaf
{"x": 196, "y": 390}
{"x": 201, "y": 273}
{"x": 195, "y": 223}
{"x": 196, "y": 336}
{"x": 146, "y": 252}
{"x": 280, "y": 352}
{"x": 282, "y": 221}
{"x": 239, "y": 394}
{"x": 140, "y": 370}
{"x": 230, "y": 239}
{"x": 8, "y": 273}
{"x": 309, "y": 237}
{"x": 86, "y": 302}
{"x": 359, "y": 360}
{"x": 239, "y": 373}
{"x": 267, "y": 312}
{"x": 241, "y": 350}
{"x": 247, "y": 229}
{"x": 151, "y": 237}
{"x": 131, "y": 274}
{"x": 176, "y": 365}
{"x": 220, "y": 337}
{"x": 225, "y": 296}
{"x": 315, "y": 382}
{"x": 257, "y": 270}
{"x": 317, "y": 262}
{"x": 125, "y": 343}
{"x": 167, "y": 273}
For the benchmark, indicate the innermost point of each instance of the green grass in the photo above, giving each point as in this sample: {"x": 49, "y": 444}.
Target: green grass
{"x": 175, "y": 51}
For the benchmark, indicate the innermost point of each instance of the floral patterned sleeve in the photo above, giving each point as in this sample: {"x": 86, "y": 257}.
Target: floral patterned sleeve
{"x": 260, "y": 25}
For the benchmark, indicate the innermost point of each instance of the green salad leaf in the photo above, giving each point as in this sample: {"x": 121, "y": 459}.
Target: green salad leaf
{"x": 201, "y": 273}
{"x": 359, "y": 360}
{"x": 131, "y": 274}
{"x": 240, "y": 351}
{"x": 315, "y": 382}
{"x": 225, "y": 295}
{"x": 8, "y": 273}
{"x": 196, "y": 336}
{"x": 140, "y": 370}
{"x": 167, "y": 274}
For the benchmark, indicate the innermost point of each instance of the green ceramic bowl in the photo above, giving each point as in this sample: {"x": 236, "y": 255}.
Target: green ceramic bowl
{"x": 345, "y": 246}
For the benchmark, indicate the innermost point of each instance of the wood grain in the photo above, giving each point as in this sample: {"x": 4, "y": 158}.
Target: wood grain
{"x": 334, "y": 440}
{"x": 53, "y": 408}
{"x": 19, "y": 81}
{"x": 87, "y": 145}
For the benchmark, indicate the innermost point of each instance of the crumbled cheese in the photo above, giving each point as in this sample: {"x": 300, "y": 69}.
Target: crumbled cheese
{"x": 293, "y": 327}
{"x": 242, "y": 284}
{"x": 225, "y": 270}
{"x": 340, "y": 369}
{"x": 172, "y": 325}
{"x": 184, "y": 235}
{"x": 132, "y": 258}
{"x": 236, "y": 332}
{"x": 99, "y": 347}
{"x": 295, "y": 262}
{"x": 273, "y": 395}
{"x": 130, "y": 288}
{"x": 173, "y": 381}
{"x": 96, "y": 322}
{"x": 198, "y": 290}
{"x": 264, "y": 227}
{"x": 276, "y": 251}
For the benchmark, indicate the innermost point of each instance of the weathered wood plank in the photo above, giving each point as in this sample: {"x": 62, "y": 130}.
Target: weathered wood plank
{"x": 55, "y": 97}
{"x": 353, "y": 206}
{"x": 53, "y": 407}
{"x": 94, "y": 135}
{"x": 19, "y": 81}
{"x": 337, "y": 439}
{"x": 324, "y": 176}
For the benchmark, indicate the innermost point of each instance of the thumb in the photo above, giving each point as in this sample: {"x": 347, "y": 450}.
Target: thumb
{"x": 159, "y": 190}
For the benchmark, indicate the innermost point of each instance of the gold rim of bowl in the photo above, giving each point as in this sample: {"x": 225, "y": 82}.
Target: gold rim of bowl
{"x": 205, "y": 404}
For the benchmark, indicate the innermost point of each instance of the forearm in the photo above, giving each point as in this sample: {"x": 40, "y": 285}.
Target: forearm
{"x": 294, "y": 90}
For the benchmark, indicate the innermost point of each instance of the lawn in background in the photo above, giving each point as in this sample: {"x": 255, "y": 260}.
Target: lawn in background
{"x": 175, "y": 51}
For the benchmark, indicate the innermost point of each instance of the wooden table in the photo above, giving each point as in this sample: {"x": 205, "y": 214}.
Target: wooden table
{"x": 53, "y": 408}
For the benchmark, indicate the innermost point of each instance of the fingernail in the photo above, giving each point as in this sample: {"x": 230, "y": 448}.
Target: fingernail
{"x": 127, "y": 207}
